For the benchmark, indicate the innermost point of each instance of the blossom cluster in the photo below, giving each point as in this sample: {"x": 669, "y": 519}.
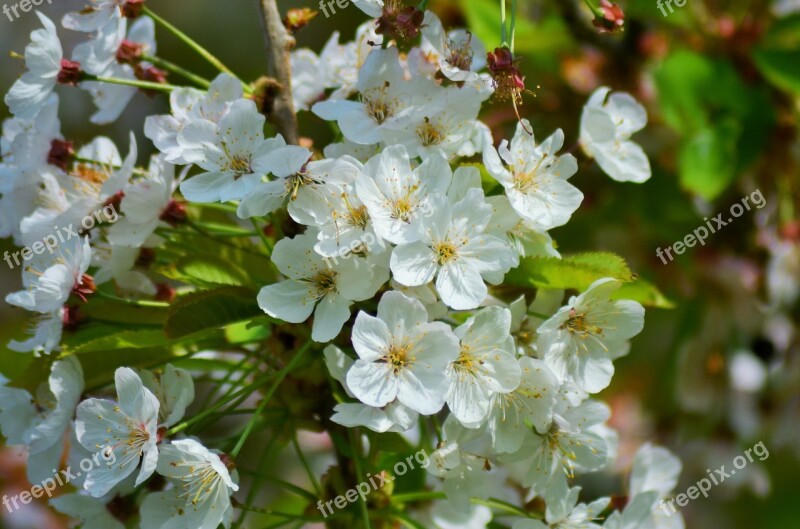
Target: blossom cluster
{"x": 429, "y": 332}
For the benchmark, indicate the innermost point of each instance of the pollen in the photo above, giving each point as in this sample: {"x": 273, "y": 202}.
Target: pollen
{"x": 429, "y": 134}
{"x": 445, "y": 251}
{"x": 398, "y": 357}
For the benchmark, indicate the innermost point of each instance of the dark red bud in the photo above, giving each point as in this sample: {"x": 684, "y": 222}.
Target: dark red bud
{"x": 174, "y": 213}
{"x": 129, "y": 52}
{"x": 70, "y": 73}
{"x": 61, "y": 154}
{"x": 132, "y": 8}
{"x": 165, "y": 293}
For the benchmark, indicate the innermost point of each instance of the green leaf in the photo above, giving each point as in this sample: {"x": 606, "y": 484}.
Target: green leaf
{"x": 127, "y": 339}
{"x": 645, "y": 293}
{"x": 547, "y": 35}
{"x": 205, "y": 270}
{"x": 99, "y": 366}
{"x": 254, "y": 330}
{"x": 707, "y": 162}
{"x": 210, "y": 309}
{"x": 571, "y": 272}
{"x": 778, "y": 56}
{"x": 119, "y": 312}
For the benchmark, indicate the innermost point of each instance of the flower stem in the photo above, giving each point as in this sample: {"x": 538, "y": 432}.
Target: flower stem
{"x": 503, "y": 30}
{"x": 174, "y": 68}
{"x": 137, "y": 302}
{"x": 513, "y": 24}
{"x": 204, "y": 53}
{"x": 144, "y": 85}
{"x": 263, "y": 404}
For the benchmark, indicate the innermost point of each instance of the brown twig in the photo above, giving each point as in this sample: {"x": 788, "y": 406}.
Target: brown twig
{"x": 279, "y": 43}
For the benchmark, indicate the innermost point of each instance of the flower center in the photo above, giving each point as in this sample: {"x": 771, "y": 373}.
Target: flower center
{"x": 429, "y": 134}
{"x": 397, "y": 357}
{"x": 460, "y": 55}
{"x": 378, "y": 105}
{"x": 240, "y": 165}
{"x": 325, "y": 281}
{"x": 445, "y": 251}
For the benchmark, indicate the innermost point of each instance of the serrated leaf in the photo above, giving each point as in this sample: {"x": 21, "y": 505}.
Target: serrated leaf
{"x": 571, "y": 272}
{"x": 119, "y": 312}
{"x": 127, "y": 339}
{"x": 210, "y": 309}
{"x": 205, "y": 270}
{"x": 99, "y": 366}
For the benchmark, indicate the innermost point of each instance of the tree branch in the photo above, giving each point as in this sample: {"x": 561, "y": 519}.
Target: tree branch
{"x": 279, "y": 43}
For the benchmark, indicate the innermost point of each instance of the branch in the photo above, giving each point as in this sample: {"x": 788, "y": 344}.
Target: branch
{"x": 279, "y": 42}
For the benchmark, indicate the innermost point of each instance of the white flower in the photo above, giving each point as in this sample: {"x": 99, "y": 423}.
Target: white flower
{"x": 308, "y": 86}
{"x": 395, "y": 195}
{"x": 174, "y": 389}
{"x": 569, "y": 446}
{"x": 445, "y": 517}
{"x": 394, "y": 417}
{"x": 526, "y": 237}
{"x": 401, "y": 356}
{"x": 654, "y": 475}
{"x": 50, "y": 279}
{"x": 91, "y": 513}
{"x": 313, "y": 282}
{"x": 446, "y": 125}
{"x": 607, "y": 123}
{"x": 127, "y": 428}
{"x": 536, "y": 178}
{"x": 458, "y": 54}
{"x": 564, "y": 512}
{"x": 310, "y": 186}
{"x": 486, "y": 365}
{"x": 345, "y": 228}
{"x": 99, "y": 56}
{"x": 461, "y": 461}
{"x": 41, "y": 422}
{"x": 189, "y": 105}
{"x": 29, "y": 143}
{"x": 532, "y": 402}
{"x": 145, "y": 203}
{"x": 69, "y": 199}
{"x": 454, "y": 248}
{"x": 373, "y": 8}
{"x": 43, "y": 60}
{"x": 46, "y": 332}
{"x": 233, "y": 153}
{"x": 200, "y": 496}
{"x": 95, "y": 16}
{"x": 385, "y": 94}
{"x": 581, "y": 340}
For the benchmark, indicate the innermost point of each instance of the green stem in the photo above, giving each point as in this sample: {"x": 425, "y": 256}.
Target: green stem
{"x": 263, "y": 404}
{"x": 513, "y": 24}
{"x": 174, "y": 68}
{"x": 247, "y": 390}
{"x": 503, "y": 30}
{"x": 204, "y": 53}
{"x": 138, "y": 303}
{"x": 356, "y": 443}
{"x": 311, "y": 476}
{"x": 144, "y": 85}
{"x": 267, "y": 243}
{"x": 538, "y": 315}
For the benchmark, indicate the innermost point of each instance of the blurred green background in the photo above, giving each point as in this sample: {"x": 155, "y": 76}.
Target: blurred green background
{"x": 721, "y": 81}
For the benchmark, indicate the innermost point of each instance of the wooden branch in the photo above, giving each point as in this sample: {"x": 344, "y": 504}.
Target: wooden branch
{"x": 279, "y": 43}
